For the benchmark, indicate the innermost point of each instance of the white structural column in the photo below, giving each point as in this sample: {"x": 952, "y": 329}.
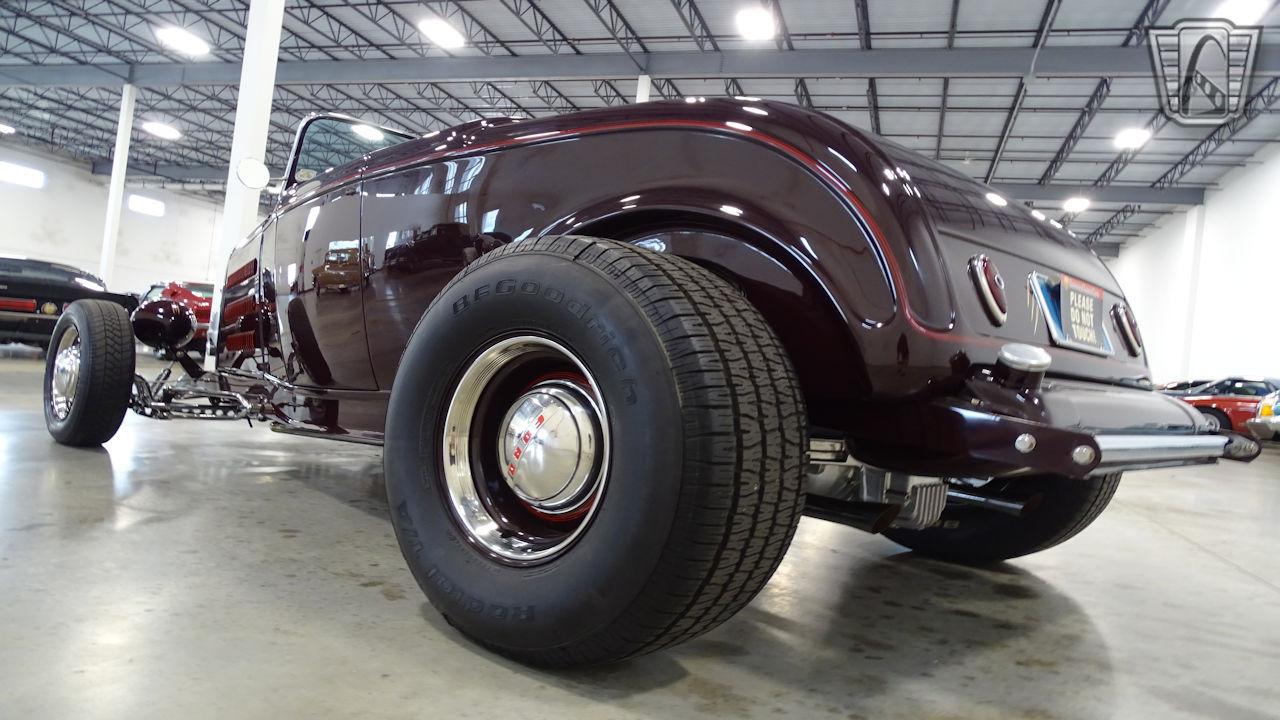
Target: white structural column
{"x": 253, "y": 118}
{"x": 115, "y": 191}
{"x": 249, "y": 141}
{"x": 643, "y": 83}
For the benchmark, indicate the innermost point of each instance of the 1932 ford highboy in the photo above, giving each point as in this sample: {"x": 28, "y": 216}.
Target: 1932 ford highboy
{"x": 613, "y": 356}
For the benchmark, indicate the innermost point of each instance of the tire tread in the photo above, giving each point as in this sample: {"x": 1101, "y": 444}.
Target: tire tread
{"x": 744, "y": 442}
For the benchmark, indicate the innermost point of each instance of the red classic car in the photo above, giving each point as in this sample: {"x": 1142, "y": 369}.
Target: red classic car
{"x": 613, "y": 356}
{"x": 194, "y": 296}
{"x": 1231, "y": 403}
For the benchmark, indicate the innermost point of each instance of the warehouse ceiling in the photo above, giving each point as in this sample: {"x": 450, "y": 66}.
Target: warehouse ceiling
{"x": 998, "y": 89}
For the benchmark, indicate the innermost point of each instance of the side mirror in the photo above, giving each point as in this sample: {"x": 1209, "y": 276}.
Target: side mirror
{"x": 253, "y": 173}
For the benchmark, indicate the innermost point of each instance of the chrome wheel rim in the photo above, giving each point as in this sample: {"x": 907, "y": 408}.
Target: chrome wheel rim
{"x": 525, "y": 450}
{"x": 66, "y": 374}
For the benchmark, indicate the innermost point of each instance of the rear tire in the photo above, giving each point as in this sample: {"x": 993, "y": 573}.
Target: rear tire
{"x": 704, "y": 429}
{"x": 1216, "y": 416}
{"x": 88, "y": 373}
{"x": 968, "y": 534}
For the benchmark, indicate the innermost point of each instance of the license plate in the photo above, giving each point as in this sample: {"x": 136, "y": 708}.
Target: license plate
{"x": 1080, "y": 313}
{"x": 1073, "y": 311}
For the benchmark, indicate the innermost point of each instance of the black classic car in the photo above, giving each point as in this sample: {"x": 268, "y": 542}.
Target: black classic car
{"x": 613, "y": 356}
{"x": 33, "y": 294}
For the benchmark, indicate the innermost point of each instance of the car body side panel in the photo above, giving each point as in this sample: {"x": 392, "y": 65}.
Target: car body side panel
{"x": 837, "y": 211}
{"x": 425, "y": 223}
{"x": 319, "y": 333}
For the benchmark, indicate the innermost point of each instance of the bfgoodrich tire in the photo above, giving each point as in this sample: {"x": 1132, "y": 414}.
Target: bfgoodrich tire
{"x": 88, "y": 373}
{"x": 1064, "y": 506}
{"x": 698, "y": 430}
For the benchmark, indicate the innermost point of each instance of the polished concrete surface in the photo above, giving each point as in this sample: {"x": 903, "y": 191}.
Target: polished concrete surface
{"x": 197, "y": 569}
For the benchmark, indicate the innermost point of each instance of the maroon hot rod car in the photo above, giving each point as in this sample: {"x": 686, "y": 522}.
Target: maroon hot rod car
{"x": 613, "y": 356}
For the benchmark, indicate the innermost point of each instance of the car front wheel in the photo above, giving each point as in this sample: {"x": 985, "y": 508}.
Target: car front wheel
{"x": 88, "y": 375}
{"x": 593, "y": 451}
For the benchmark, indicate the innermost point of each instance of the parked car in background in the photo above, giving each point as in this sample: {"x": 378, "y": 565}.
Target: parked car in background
{"x": 33, "y": 294}
{"x": 1231, "y": 402}
{"x": 1266, "y": 424}
{"x": 1182, "y": 387}
{"x": 194, "y": 296}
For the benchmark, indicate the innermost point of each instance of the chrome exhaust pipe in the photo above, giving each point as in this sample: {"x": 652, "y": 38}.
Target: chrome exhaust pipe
{"x": 871, "y": 517}
{"x": 979, "y": 498}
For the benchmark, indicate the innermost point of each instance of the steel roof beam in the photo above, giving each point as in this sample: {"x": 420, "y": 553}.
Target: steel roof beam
{"x": 946, "y": 83}
{"x": 1255, "y": 106}
{"x": 1136, "y": 35}
{"x": 864, "y": 39}
{"x": 1042, "y": 35}
{"x": 1068, "y": 61}
{"x": 1112, "y": 223}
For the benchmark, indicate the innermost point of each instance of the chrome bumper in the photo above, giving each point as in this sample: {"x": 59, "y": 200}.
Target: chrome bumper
{"x": 1264, "y": 427}
{"x": 1133, "y": 452}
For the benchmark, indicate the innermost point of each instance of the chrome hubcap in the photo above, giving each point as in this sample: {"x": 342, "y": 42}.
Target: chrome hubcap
{"x": 525, "y": 451}
{"x": 548, "y": 446}
{"x": 66, "y": 374}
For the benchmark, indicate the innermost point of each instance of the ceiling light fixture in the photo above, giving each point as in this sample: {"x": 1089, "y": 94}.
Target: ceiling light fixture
{"x": 1132, "y": 138}
{"x": 372, "y": 134}
{"x": 7, "y": 129}
{"x": 162, "y": 131}
{"x": 1242, "y": 12}
{"x": 441, "y": 33}
{"x": 755, "y": 23}
{"x": 996, "y": 200}
{"x": 1037, "y": 215}
{"x": 175, "y": 38}
{"x": 1076, "y": 204}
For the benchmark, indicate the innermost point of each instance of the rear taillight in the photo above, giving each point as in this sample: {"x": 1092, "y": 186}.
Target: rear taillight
{"x": 1128, "y": 327}
{"x": 990, "y": 286}
{"x": 17, "y": 305}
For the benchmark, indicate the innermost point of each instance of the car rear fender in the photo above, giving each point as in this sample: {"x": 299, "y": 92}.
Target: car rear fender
{"x": 782, "y": 286}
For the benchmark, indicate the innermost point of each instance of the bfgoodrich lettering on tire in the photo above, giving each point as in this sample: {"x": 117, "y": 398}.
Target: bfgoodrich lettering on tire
{"x": 592, "y": 451}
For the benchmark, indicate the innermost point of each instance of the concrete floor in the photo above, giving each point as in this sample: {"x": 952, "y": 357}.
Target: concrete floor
{"x": 197, "y": 569}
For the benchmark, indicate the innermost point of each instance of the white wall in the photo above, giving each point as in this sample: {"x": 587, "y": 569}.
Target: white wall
{"x": 63, "y": 222}
{"x": 1205, "y": 284}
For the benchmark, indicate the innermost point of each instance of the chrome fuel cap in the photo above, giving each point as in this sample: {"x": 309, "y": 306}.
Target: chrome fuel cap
{"x": 549, "y": 446}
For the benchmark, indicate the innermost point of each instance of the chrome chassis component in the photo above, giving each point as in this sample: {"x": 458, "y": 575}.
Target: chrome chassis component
{"x": 206, "y": 397}
{"x": 833, "y": 473}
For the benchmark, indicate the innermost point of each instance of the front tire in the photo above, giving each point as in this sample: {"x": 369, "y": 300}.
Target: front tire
{"x": 702, "y": 422}
{"x": 88, "y": 374}
{"x": 1063, "y": 507}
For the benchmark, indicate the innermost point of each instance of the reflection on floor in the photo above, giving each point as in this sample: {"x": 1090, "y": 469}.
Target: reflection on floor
{"x": 196, "y": 569}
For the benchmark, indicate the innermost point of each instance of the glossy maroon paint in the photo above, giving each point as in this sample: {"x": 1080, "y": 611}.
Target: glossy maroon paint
{"x": 855, "y": 250}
